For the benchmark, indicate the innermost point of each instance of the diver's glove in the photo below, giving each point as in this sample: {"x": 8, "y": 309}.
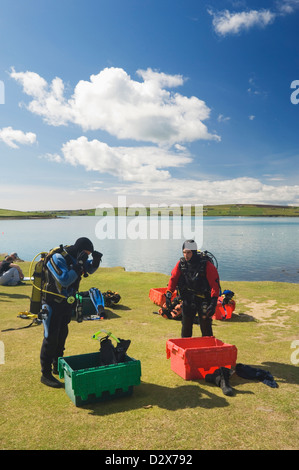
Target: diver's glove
{"x": 168, "y": 298}
{"x": 96, "y": 259}
{"x": 81, "y": 261}
{"x": 212, "y": 307}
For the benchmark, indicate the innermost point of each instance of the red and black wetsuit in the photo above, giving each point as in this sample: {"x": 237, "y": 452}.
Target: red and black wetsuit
{"x": 198, "y": 283}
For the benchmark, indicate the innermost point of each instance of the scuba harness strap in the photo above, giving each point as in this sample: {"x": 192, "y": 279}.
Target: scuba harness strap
{"x": 26, "y": 316}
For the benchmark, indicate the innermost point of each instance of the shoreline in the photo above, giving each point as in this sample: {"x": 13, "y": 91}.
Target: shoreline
{"x": 221, "y": 210}
{"x": 285, "y": 216}
{"x": 124, "y": 270}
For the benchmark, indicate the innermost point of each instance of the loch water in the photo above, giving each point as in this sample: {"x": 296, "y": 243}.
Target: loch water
{"x": 246, "y": 248}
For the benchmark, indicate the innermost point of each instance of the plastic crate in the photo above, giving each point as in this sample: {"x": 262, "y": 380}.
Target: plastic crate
{"x": 224, "y": 313}
{"x": 157, "y": 295}
{"x": 194, "y": 358}
{"x": 86, "y": 381}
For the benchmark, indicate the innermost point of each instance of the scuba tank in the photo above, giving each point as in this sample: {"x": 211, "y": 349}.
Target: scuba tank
{"x": 37, "y": 286}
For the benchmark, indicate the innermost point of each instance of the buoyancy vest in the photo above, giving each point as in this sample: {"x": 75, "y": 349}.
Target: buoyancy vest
{"x": 193, "y": 277}
{"x": 45, "y": 288}
{"x": 51, "y": 285}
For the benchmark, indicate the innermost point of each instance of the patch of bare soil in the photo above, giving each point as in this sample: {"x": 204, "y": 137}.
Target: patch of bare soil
{"x": 264, "y": 311}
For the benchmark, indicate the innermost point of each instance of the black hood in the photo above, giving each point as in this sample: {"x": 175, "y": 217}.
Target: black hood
{"x": 81, "y": 244}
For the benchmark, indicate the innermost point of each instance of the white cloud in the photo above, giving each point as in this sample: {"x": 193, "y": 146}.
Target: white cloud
{"x": 127, "y": 109}
{"x": 52, "y": 157}
{"x": 254, "y": 89}
{"x": 222, "y": 118}
{"x": 159, "y": 79}
{"x": 173, "y": 191}
{"x": 236, "y": 190}
{"x": 48, "y": 100}
{"x": 142, "y": 173}
{"x": 225, "y": 22}
{"x": 137, "y": 164}
{"x": 13, "y": 137}
{"x": 251, "y": 117}
{"x": 287, "y": 6}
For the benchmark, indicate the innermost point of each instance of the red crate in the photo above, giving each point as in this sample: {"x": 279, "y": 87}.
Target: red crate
{"x": 194, "y": 358}
{"x": 222, "y": 313}
{"x": 158, "y": 295}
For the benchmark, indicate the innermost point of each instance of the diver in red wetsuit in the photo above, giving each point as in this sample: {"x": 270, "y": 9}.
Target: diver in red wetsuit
{"x": 197, "y": 281}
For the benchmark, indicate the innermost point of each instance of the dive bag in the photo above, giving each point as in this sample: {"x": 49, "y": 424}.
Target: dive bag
{"x": 111, "y": 298}
{"x": 89, "y": 305}
{"x": 174, "y": 311}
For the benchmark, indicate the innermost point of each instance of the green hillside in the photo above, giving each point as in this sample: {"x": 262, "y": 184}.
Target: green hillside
{"x": 254, "y": 210}
{"x": 12, "y": 214}
{"x": 224, "y": 210}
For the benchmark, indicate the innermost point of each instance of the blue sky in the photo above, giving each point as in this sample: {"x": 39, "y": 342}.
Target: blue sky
{"x": 157, "y": 101}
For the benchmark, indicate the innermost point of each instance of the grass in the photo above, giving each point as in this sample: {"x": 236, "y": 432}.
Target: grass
{"x": 165, "y": 412}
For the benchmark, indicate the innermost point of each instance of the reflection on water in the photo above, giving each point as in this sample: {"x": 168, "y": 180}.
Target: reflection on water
{"x": 247, "y": 249}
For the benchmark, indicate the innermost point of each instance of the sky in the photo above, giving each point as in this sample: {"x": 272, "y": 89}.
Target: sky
{"x": 112, "y": 102}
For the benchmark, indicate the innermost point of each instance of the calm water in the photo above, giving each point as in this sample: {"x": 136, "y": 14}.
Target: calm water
{"x": 247, "y": 249}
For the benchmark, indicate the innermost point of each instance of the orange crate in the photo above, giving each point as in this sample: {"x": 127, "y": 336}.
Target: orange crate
{"x": 157, "y": 295}
{"x": 194, "y": 358}
{"x": 222, "y": 313}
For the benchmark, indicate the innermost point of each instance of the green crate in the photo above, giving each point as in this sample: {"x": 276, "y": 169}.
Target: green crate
{"x": 87, "y": 381}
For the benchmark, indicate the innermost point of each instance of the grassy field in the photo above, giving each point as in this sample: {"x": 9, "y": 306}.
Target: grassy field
{"x": 165, "y": 412}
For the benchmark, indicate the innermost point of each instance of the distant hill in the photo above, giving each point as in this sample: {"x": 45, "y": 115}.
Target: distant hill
{"x": 251, "y": 210}
{"x": 222, "y": 210}
{"x": 12, "y": 214}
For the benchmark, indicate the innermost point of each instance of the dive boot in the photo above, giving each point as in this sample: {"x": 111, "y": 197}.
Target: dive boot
{"x": 220, "y": 377}
{"x": 121, "y": 349}
{"x": 50, "y": 381}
